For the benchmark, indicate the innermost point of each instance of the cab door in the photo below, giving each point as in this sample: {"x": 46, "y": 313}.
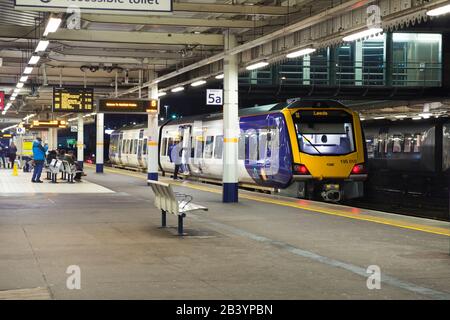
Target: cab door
{"x": 140, "y": 148}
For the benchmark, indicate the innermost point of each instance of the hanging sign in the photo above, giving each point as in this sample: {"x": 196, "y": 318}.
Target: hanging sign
{"x": 73, "y": 100}
{"x": 127, "y": 106}
{"x": 139, "y": 6}
{"x": 214, "y": 97}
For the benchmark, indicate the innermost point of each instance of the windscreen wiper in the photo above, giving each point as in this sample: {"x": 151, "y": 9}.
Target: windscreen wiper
{"x": 310, "y": 143}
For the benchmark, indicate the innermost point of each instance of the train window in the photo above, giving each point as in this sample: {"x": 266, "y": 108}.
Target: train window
{"x": 192, "y": 147}
{"x": 209, "y": 147}
{"x": 218, "y": 149}
{"x": 446, "y": 147}
{"x": 127, "y": 149}
{"x": 325, "y": 138}
{"x": 144, "y": 147}
{"x": 130, "y": 149}
{"x": 262, "y": 144}
{"x": 253, "y": 145}
{"x": 407, "y": 143}
{"x": 199, "y": 147}
{"x": 135, "y": 146}
{"x": 396, "y": 143}
{"x": 241, "y": 146}
{"x": 170, "y": 142}
{"x": 417, "y": 142}
{"x": 164, "y": 147}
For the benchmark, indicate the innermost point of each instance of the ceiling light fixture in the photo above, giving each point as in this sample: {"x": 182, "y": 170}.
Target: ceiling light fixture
{"x": 34, "y": 60}
{"x": 198, "y": 83}
{"x": 300, "y": 53}
{"x": 362, "y": 34}
{"x": 220, "y": 76}
{"x": 52, "y": 25}
{"x": 439, "y": 11}
{"x": 177, "y": 89}
{"x": 28, "y": 70}
{"x": 42, "y": 45}
{"x": 257, "y": 65}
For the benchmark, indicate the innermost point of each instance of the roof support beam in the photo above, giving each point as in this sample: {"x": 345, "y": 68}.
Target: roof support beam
{"x": 116, "y": 36}
{"x": 137, "y": 37}
{"x": 231, "y": 8}
{"x": 165, "y": 21}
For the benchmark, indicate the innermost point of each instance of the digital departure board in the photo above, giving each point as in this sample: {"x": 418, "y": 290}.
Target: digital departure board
{"x": 127, "y": 106}
{"x": 46, "y": 124}
{"x": 73, "y": 100}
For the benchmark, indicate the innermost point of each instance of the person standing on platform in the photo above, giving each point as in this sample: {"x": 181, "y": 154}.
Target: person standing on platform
{"x": 12, "y": 154}
{"x": 175, "y": 151}
{"x": 39, "y": 158}
{"x": 2, "y": 154}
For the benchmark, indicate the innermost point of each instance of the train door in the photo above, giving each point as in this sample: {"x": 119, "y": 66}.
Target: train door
{"x": 185, "y": 132}
{"x": 140, "y": 157}
{"x": 197, "y": 156}
{"x": 120, "y": 148}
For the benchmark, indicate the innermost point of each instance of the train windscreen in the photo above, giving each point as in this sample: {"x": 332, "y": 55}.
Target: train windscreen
{"x": 324, "y": 132}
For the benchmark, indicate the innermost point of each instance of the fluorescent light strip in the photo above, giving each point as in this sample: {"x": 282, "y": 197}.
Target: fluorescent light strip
{"x": 379, "y": 118}
{"x": 362, "y": 34}
{"x": 300, "y": 53}
{"x": 401, "y": 116}
{"x": 257, "y": 65}
{"x": 177, "y": 89}
{"x": 198, "y": 83}
{"x": 439, "y": 11}
{"x": 52, "y": 25}
{"x": 162, "y": 93}
{"x": 23, "y": 79}
{"x": 34, "y": 60}
{"x": 28, "y": 70}
{"x": 42, "y": 45}
{"x": 20, "y": 85}
{"x": 220, "y": 76}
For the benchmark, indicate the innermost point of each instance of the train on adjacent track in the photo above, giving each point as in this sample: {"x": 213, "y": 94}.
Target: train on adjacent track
{"x": 305, "y": 148}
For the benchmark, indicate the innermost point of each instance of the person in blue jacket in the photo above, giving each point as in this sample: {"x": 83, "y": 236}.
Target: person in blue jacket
{"x": 39, "y": 158}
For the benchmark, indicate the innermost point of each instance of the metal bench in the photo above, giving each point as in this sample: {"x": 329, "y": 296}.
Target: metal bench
{"x": 172, "y": 202}
{"x": 54, "y": 168}
{"x": 69, "y": 171}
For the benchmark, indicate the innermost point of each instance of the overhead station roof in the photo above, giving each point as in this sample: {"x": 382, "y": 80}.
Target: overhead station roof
{"x": 179, "y": 47}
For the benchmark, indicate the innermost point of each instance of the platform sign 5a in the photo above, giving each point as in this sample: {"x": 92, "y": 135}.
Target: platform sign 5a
{"x": 99, "y": 6}
{"x": 214, "y": 97}
{"x": 2, "y": 100}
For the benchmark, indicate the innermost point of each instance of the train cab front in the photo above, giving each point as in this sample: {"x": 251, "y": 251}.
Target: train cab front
{"x": 329, "y": 158}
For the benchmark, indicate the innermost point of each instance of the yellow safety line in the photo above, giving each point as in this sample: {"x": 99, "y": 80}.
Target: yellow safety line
{"x": 391, "y": 222}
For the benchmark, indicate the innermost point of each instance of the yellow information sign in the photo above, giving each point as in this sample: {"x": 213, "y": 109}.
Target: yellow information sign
{"x": 73, "y": 100}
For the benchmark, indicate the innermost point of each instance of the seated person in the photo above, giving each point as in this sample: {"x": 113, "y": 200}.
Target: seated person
{"x": 70, "y": 158}
{"x": 51, "y": 155}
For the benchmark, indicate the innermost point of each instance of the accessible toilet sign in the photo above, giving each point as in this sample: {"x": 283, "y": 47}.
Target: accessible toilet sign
{"x": 142, "y": 6}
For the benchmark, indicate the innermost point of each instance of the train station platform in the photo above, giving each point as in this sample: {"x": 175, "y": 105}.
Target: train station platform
{"x": 264, "y": 247}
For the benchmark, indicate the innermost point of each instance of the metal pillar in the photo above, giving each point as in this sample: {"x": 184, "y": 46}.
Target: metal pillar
{"x": 230, "y": 123}
{"x": 50, "y": 139}
{"x": 80, "y": 140}
{"x": 358, "y": 63}
{"x": 100, "y": 143}
{"x": 55, "y": 138}
{"x": 307, "y": 70}
{"x": 152, "y": 142}
{"x": 388, "y": 59}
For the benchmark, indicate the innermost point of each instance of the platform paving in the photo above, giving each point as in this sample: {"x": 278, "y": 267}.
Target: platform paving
{"x": 249, "y": 250}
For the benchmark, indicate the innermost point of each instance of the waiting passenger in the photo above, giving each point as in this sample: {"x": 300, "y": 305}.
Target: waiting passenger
{"x": 51, "y": 156}
{"x": 2, "y": 154}
{"x": 175, "y": 156}
{"x": 12, "y": 154}
{"x": 39, "y": 159}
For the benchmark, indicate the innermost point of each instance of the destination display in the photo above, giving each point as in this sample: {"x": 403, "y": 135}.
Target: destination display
{"x": 73, "y": 100}
{"x": 127, "y": 106}
{"x": 138, "y": 6}
{"x": 46, "y": 124}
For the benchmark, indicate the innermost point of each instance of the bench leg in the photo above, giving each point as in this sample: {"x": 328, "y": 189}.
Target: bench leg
{"x": 180, "y": 225}
{"x": 163, "y": 219}
{"x": 48, "y": 175}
